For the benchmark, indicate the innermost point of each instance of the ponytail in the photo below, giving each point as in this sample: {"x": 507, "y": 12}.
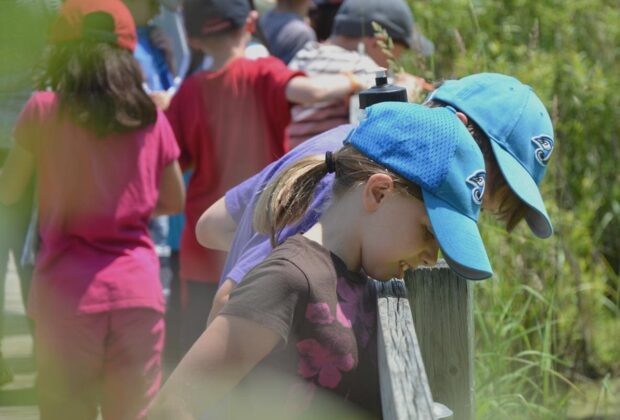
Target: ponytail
{"x": 286, "y": 199}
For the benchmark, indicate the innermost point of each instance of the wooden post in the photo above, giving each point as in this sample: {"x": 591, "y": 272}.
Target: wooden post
{"x": 405, "y": 393}
{"x": 442, "y": 305}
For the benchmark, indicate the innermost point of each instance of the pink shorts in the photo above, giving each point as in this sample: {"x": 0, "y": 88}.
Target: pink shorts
{"x": 109, "y": 359}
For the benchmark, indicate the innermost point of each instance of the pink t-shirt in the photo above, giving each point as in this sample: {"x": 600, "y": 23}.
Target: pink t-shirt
{"x": 95, "y": 199}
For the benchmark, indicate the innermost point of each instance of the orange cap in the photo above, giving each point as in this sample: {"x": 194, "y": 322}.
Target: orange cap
{"x": 103, "y": 20}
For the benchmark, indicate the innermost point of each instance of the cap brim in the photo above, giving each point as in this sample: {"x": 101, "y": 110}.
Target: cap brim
{"x": 522, "y": 183}
{"x": 421, "y": 43}
{"x": 459, "y": 239}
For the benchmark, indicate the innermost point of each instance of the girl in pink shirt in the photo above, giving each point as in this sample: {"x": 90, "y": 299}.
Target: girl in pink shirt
{"x": 105, "y": 162}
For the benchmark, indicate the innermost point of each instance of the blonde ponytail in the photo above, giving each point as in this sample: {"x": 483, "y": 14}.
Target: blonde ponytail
{"x": 286, "y": 199}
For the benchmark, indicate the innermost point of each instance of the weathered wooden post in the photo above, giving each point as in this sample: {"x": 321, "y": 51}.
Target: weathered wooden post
{"x": 442, "y": 307}
{"x": 405, "y": 393}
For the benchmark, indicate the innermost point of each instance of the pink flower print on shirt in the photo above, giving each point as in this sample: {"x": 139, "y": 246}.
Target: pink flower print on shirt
{"x": 314, "y": 359}
{"x": 319, "y": 313}
{"x": 350, "y": 310}
{"x": 349, "y": 303}
{"x": 341, "y": 317}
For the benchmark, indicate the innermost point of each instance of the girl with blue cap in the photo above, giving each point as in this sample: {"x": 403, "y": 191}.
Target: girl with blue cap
{"x": 505, "y": 117}
{"x": 409, "y": 181}
{"x": 515, "y": 133}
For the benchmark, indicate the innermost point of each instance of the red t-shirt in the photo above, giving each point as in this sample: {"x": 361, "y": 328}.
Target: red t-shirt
{"x": 95, "y": 199}
{"x": 229, "y": 124}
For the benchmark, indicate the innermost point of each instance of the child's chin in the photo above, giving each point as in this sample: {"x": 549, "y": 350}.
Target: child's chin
{"x": 383, "y": 276}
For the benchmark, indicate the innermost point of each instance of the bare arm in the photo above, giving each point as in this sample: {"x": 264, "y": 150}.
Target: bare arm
{"x": 220, "y": 299}
{"x": 216, "y": 227}
{"x": 161, "y": 99}
{"x": 171, "y": 191}
{"x": 16, "y": 174}
{"x": 306, "y": 90}
{"x": 222, "y": 356}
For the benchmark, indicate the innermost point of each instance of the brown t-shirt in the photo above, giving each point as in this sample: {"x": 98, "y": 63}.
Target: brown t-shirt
{"x": 326, "y": 316}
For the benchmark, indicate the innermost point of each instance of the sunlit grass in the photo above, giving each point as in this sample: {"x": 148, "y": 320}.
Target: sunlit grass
{"x": 516, "y": 372}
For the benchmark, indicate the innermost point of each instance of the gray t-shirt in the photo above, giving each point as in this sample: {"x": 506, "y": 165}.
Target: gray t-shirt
{"x": 286, "y": 33}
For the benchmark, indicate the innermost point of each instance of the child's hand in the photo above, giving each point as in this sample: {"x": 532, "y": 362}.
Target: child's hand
{"x": 161, "y": 99}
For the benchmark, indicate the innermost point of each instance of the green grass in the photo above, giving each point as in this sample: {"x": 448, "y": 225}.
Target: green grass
{"x": 548, "y": 325}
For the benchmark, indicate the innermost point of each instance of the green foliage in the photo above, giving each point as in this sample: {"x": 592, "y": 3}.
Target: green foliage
{"x": 552, "y": 313}
{"x": 386, "y": 44}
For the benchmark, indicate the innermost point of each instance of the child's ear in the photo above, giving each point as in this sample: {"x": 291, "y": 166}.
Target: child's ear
{"x": 376, "y": 190}
{"x": 462, "y": 117}
{"x": 251, "y": 21}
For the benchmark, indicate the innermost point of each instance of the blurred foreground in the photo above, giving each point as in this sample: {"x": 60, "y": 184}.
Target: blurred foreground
{"x": 17, "y": 399}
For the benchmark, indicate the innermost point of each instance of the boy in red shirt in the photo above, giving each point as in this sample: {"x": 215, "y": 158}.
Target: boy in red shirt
{"x": 230, "y": 122}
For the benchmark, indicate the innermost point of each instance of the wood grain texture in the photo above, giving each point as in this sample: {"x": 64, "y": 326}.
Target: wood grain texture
{"x": 405, "y": 393}
{"x": 442, "y": 307}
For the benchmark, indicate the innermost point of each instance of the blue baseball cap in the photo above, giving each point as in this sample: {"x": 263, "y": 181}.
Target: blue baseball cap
{"x": 520, "y": 130}
{"x": 432, "y": 148}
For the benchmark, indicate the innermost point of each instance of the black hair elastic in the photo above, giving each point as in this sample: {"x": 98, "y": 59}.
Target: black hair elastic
{"x": 330, "y": 163}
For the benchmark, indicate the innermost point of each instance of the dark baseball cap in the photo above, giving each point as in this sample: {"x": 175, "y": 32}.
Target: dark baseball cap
{"x": 355, "y": 17}
{"x": 207, "y": 17}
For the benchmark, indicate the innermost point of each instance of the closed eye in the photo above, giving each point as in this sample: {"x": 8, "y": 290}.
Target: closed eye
{"x": 429, "y": 233}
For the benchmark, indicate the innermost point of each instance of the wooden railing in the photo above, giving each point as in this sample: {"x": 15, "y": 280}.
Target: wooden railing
{"x": 425, "y": 339}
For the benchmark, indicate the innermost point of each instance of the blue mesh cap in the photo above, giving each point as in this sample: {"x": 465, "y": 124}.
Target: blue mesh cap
{"x": 432, "y": 148}
{"x": 520, "y": 130}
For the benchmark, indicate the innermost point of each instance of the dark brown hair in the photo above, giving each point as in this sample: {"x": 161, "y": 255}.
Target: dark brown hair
{"x": 286, "y": 199}
{"x": 99, "y": 86}
{"x": 511, "y": 208}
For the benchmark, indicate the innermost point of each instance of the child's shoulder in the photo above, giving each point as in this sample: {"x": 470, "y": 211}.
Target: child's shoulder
{"x": 242, "y": 68}
{"x": 189, "y": 93}
{"x": 298, "y": 245}
{"x": 44, "y": 98}
{"x": 264, "y": 64}
{"x": 41, "y": 104}
{"x": 297, "y": 264}
{"x": 284, "y": 266}
{"x": 312, "y": 259}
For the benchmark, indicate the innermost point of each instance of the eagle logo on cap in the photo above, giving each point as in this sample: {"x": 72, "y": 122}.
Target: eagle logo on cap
{"x": 544, "y": 148}
{"x": 476, "y": 181}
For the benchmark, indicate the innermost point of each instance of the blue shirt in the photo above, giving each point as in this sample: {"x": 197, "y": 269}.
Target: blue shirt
{"x": 176, "y": 222}
{"x": 250, "y": 248}
{"x": 152, "y": 61}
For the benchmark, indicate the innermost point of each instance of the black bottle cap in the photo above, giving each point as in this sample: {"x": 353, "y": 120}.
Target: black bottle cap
{"x": 382, "y": 92}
